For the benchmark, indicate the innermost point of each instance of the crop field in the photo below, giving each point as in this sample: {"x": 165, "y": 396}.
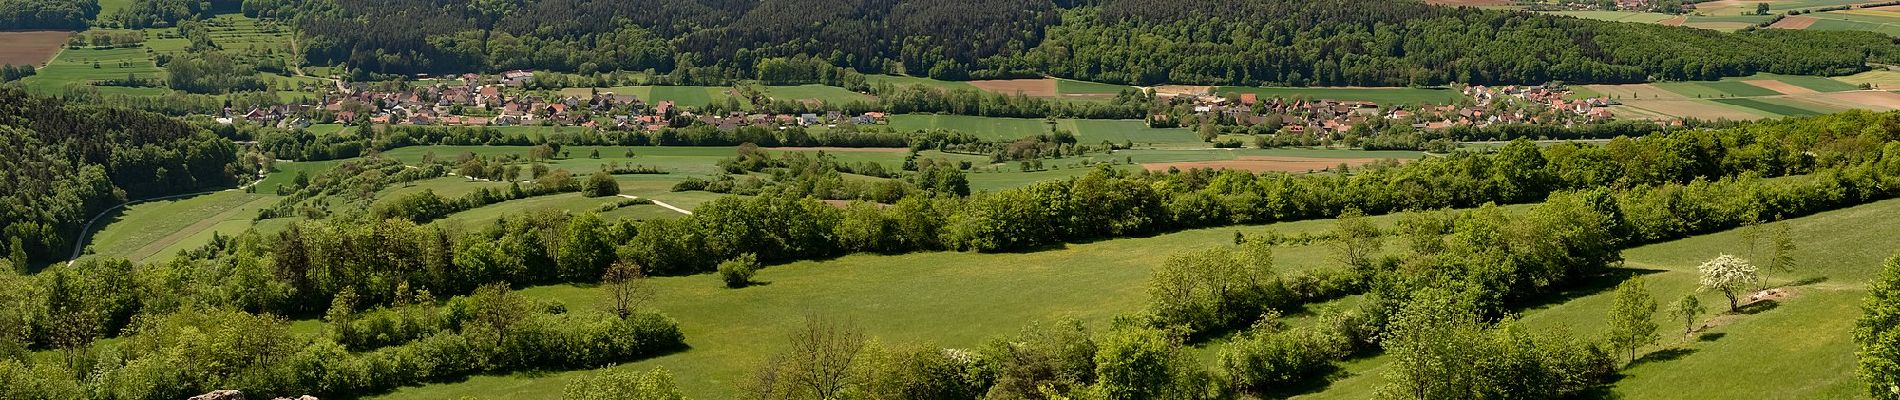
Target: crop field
{"x": 31, "y": 47}
{"x": 1880, "y": 79}
{"x": 902, "y": 81}
{"x": 1384, "y": 96}
{"x": 88, "y": 65}
{"x": 1772, "y": 106}
{"x": 1736, "y": 356}
{"x": 1087, "y": 131}
{"x": 1743, "y": 98}
{"x": 1882, "y": 19}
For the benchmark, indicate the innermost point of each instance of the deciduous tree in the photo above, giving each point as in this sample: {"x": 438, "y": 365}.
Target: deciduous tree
{"x": 1731, "y": 276}
{"x": 1878, "y": 334}
{"x": 1631, "y": 323}
{"x": 1687, "y": 309}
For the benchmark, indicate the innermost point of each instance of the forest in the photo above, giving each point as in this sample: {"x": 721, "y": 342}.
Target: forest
{"x": 1330, "y": 42}
{"x": 66, "y": 162}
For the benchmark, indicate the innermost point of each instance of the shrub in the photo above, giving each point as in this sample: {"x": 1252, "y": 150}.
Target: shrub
{"x": 601, "y": 184}
{"x": 738, "y": 271}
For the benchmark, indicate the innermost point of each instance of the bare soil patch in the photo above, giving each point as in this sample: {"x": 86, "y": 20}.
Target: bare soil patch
{"x": 1866, "y": 99}
{"x": 1027, "y": 87}
{"x": 1677, "y": 21}
{"x": 1779, "y": 86}
{"x": 1262, "y": 164}
{"x": 31, "y": 47}
{"x": 1794, "y": 22}
{"x": 1182, "y": 90}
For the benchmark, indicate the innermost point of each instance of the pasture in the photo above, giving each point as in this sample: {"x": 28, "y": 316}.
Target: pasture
{"x": 34, "y": 48}
{"x": 1800, "y": 347}
{"x": 952, "y": 299}
{"x": 154, "y": 231}
{"x": 1383, "y": 96}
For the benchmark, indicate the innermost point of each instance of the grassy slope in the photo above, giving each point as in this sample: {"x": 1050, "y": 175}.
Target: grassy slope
{"x": 952, "y": 299}
{"x": 1800, "y": 349}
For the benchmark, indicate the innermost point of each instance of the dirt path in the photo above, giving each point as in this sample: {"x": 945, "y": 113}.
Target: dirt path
{"x": 661, "y": 204}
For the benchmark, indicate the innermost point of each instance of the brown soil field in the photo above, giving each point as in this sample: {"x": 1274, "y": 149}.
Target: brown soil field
{"x": 31, "y": 47}
{"x": 1894, "y": 8}
{"x": 1794, "y": 22}
{"x": 1692, "y": 108}
{"x": 1779, "y": 86}
{"x": 1028, "y": 87}
{"x": 1677, "y": 21}
{"x": 1262, "y": 164}
{"x": 1635, "y": 92}
{"x": 1867, "y": 99}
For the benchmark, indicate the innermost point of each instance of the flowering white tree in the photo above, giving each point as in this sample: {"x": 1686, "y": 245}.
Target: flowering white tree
{"x": 1730, "y": 275}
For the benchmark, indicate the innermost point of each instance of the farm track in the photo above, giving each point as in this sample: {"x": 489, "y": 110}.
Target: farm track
{"x": 660, "y": 203}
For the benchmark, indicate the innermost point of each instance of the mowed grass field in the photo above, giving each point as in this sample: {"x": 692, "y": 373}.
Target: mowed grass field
{"x": 950, "y": 299}
{"x": 156, "y": 230}
{"x": 1799, "y": 348}
{"x": 1383, "y": 96}
{"x": 1745, "y": 98}
{"x": 1087, "y": 131}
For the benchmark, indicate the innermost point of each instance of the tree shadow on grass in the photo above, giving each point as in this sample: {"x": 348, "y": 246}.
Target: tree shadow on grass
{"x": 1710, "y": 337}
{"x": 1760, "y": 307}
{"x": 1585, "y": 287}
{"x": 1807, "y": 281}
{"x": 1663, "y": 355}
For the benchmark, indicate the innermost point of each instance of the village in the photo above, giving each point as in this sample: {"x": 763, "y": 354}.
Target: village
{"x": 474, "y": 100}
{"x": 1484, "y": 106}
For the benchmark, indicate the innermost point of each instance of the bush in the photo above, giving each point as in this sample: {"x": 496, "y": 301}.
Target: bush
{"x": 601, "y": 184}
{"x": 738, "y": 271}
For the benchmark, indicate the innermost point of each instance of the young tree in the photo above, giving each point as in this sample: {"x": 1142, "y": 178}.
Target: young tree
{"x": 1878, "y": 334}
{"x": 1686, "y": 310}
{"x": 1630, "y": 325}
{"x": 1782, "y": 259}
{"x": 1356, "y": 240}
{"x": 498, "y": 309}
{"x": 819, "y": 362}
{"x": 738, "y": 271}
{"x": 1729, "y": 275}
{"x": 626, "y": 286}
{"x": 16, "y": 254}
{"x": 1142, "y": 363}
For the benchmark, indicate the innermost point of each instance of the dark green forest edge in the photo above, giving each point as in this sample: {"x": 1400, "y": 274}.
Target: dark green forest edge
{"x": 216, "y": 318}
{"x": 1140, "y": 42}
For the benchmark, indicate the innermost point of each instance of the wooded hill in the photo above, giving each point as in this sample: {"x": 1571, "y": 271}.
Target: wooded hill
{"x": 61, "y": 164}
{"x": 1322, "y": 42}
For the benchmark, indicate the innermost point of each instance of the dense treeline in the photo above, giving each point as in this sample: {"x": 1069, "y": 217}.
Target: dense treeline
{"x": 142, "y": 14}
{"x": 306, "y": 146}
{"x": 1143, "y": 42}
{"x": 47, "y": 14}
{"x": 64, "y": 163}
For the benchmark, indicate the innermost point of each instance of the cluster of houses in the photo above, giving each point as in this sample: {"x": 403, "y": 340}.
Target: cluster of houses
{"x": 1486, "y": 106}
{"x": 472, "y": 101}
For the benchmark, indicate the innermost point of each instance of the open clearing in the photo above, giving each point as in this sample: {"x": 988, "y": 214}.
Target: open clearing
{"x": 1880, "y": 79}
{"x": 1261, "y": 164}
{"x": 1701, "y": 109}
{"x": 30, "y": 47}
